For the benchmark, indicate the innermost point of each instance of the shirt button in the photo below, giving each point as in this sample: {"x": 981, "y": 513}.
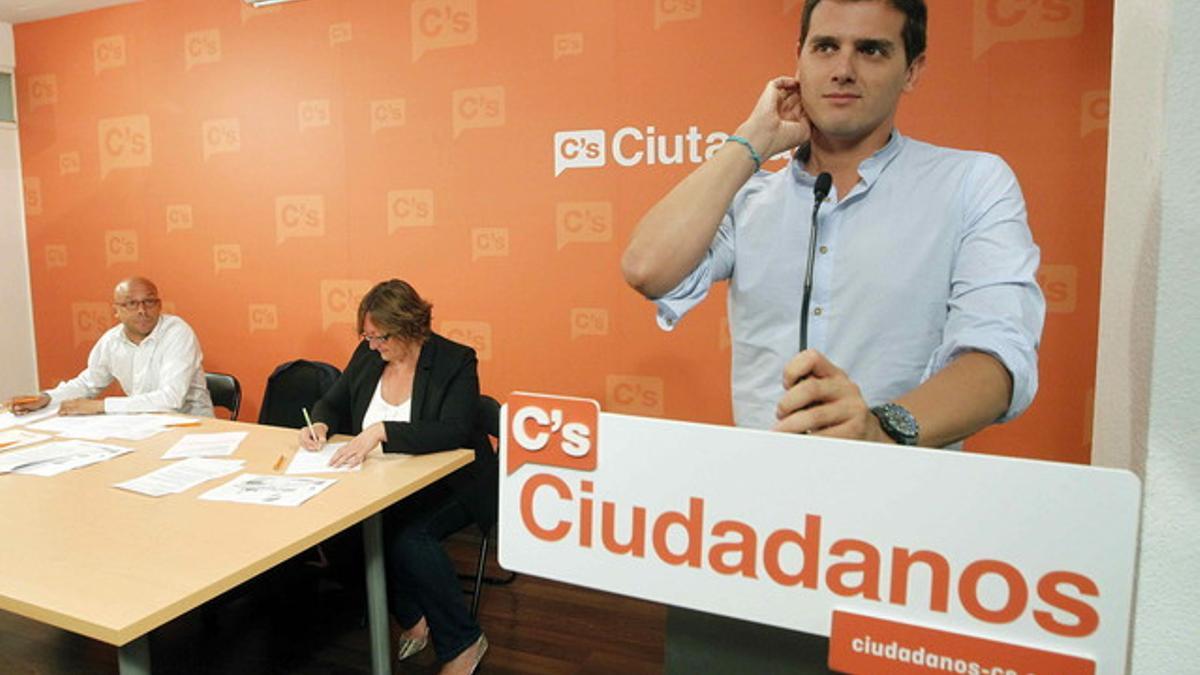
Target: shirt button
{"x": 824, "y": 250}
{"x": 817, "y": 312}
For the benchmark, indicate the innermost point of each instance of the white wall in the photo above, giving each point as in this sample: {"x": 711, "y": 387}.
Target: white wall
{"x": 1147, "y": 395}
{"x": 18, "y": 358}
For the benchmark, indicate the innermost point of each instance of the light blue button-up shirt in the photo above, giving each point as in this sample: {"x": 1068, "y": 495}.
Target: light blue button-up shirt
{"x": 927, "y": 257}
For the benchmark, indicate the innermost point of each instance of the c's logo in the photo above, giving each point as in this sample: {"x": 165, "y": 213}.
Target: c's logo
{"x": 226, "y": 257}
{"x": 567, "y": 44}
{"x": 999, "y": 21}
{"x": 264, "y": 317}
{"x": 409, "y": 208}
{"x": 1093, "y": 111}
{"x": 474, "y": 334}
{"x": 108, "y": 52}
{"x": 179, "y": 217}
{"x": 124, "y": 143}
{"x": 583, "y": 222}
{"x": 68, "y": 162}
{"x": 299, "y": 216}
{"x": 340, "y": 33}
{"x": 589, "y": 321}
{"x": 33, "y": 196}
{"x": 579, "y": 149}
{"x": 89, "y": 320}
{"x": 120, "y": 246}
{"x": 203, "y": 46}
{"x": 489, "y": 242}
{"x": 634, "y": 394}
{"x": 552, "y": 431}
{"x": 478, "y": 108}
{"x": 387, "y": 113}
{"x": 1060, "y": 284}
{"x": 56, "y": 256}
{"x": 438, "y": 24}
{"x": 43, "y": 90}
{"x": 314, "y": 113}
{"x": 222, "y": 136}
{"x": 675, "y": 10}
{"x": 339, "y": 300}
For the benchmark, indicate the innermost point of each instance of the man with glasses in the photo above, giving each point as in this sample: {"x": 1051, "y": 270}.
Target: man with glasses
{"x": 154, "y": 356}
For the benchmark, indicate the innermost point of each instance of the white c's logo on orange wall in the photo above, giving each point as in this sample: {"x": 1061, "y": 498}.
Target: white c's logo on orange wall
{"x": 478, "y": 108}
{"x": 675, "y": 10}
{"x": 120, "y": 246}
{"x": 1060, "y": 284}
{"x": 56, "y": 256}
{"x": 124, "y": 143}
{"x": 43, "y": 90}
{"x": 387, "y": 113}
{"x": 634, "y": 394}
{"x": 583, "y": 222}
{"x": 474, "y": 334}
{"x": 339, "y": 300}
{"x": 108, "y": 52}
{"x": 33, "y": 196}
{"x": 340, "y": 33}
{"x": 409, "y": 208}
{"x": 999, "y": 21}
{"x": 179, "y": 217}
{"x": 1093, "y": 111}
{"x": 489, "y": 242}
{"x": 314, "y": 113}
{"x": 567, "y": 44}
{"x": 203, "y": 46}
{"x": 89, "y": 320}
{"x": 438, "y": 24}
{"x": 633, "y": 146}
{"x": 264, "y": 317}
{"x": 299, "y": 216}
{"x": 589, "y": 321}
{"x": 227, "y": 257}
{"x": 68, "y": 162}
{"x": 222, "y": 136}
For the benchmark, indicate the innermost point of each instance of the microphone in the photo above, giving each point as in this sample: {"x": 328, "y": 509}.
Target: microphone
{"x": 820, "y": 191}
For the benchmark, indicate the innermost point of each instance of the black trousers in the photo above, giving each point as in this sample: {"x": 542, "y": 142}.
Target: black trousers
{"x": 422, "y": 581}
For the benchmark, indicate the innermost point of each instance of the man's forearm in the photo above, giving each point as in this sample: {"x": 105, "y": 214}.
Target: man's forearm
{"x": 967, "y": 395}
{"x": 673, "y": 236}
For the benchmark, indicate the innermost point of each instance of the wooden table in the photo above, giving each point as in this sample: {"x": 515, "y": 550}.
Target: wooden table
{"x": 113, "y": 565}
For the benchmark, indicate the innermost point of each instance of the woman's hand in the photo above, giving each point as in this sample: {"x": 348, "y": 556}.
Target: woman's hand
{"x": 353, "y": 453}
{"x": 310, "y": 442}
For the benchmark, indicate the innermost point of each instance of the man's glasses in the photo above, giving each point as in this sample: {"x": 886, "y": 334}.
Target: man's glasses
{"x": 375, "y": 339}
{"x": 132, "y": 305}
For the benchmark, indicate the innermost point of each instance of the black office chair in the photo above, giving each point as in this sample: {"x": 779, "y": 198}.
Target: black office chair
{"x": 292, "y": 386}
{"x": 488, "y": 421}
{"x": 226, "y": 392}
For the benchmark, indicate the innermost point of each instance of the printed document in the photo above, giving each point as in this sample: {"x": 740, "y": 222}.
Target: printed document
{"x": 51, "y": 459}
{"x": 9, "y": 420}
{"x": 305, "y": 461}
{"x": 17, "y": 438}
{"x": 180, "y": 476}
{"x": 206, "y": 445}
{"x": 250, "y": 488}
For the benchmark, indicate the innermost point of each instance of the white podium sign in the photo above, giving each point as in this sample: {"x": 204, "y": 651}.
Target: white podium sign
{"x": 911, "y": 560}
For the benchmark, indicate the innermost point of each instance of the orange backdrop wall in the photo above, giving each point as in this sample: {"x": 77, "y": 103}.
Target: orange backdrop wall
{"x": 266, "y": 166}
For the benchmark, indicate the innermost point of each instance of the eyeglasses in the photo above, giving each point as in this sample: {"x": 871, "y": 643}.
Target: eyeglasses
{"x": 375, "y": 339}
{"x": 132, "y": 305}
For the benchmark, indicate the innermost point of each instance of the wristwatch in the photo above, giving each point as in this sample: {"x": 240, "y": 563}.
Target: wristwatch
{"x": 897, "y": 422}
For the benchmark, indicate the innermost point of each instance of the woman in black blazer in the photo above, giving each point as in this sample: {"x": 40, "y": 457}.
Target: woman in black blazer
{"x": 413, "y": 391}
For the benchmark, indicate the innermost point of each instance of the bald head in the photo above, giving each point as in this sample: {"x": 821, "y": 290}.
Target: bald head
{"x": 125, "y": 287}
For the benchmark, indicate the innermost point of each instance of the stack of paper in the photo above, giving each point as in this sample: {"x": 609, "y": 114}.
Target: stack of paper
{"x": 99, "y": 427}
{"x": 16, "y": 438}
{"x": 51, "y": 459}
{"x": 181, "y": 476}
{"x": 9, "y": 420}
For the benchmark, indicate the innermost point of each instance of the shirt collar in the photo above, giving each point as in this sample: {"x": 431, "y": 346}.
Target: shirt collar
{"x": 868, "y": 170}
{"x": 151, "y": 337}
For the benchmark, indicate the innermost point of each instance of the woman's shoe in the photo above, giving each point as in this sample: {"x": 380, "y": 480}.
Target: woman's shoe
{"x": 411, "y": 646}
{"x": 480, "y": 649}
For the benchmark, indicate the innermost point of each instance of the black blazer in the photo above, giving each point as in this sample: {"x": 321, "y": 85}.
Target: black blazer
{"x": 445, "y": 395}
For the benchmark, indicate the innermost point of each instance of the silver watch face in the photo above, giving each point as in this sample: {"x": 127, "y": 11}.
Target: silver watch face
{"x": 897, "y": 423}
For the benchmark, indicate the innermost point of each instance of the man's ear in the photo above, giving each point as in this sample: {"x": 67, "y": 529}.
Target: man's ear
{"x": 914, "y": 73}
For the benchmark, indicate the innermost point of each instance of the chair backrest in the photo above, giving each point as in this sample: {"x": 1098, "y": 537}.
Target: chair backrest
{"x": 487, "y": 417}
{"x": 295, "y": 385}
{"x": 226, "y": 392}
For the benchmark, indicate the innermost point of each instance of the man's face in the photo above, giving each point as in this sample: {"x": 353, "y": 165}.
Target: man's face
{"x": 137, "y": 307}
{"x": 852, "y": 68}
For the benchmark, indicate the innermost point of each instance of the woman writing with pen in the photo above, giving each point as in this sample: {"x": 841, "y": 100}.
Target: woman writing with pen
{"x": 410, "y": 390}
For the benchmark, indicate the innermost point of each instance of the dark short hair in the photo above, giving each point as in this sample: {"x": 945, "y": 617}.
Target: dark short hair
{"x": 913, "y": 33}
{"x": 398, "y": 310}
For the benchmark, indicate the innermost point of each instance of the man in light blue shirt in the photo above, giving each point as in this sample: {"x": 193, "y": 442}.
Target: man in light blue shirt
{"x": 925, "y": 314}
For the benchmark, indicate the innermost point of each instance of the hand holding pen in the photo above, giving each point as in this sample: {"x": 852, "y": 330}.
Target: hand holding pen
{"x": 312, "y": 437}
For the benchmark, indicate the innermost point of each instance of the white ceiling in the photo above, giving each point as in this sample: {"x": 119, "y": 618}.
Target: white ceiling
{"x": 20, "y": 11}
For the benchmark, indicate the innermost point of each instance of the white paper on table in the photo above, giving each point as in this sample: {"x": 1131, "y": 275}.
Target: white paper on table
{"x": 9, "y": 420}
{"x": 250, "y": 488}
{"x": 220, "y": 444}
{"x": 305, "y": 461}
{"x": 18, "y": 438}
{"x": 51, "y": 459}
{"x": 180, "y": 476}
{"x": 132, "y": 427}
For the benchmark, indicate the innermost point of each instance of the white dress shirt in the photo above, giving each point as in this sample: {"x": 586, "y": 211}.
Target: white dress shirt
{"x": 927, "y": 257}
{"x": 162, "y": 374}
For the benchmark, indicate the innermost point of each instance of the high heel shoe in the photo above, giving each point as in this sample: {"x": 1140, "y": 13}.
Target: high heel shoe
{"x": 480, "y": 650}
{"x": 411, "y": 646}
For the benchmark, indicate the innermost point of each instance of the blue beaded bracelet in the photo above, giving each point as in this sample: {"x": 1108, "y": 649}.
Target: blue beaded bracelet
{"x": 753, "y": 153}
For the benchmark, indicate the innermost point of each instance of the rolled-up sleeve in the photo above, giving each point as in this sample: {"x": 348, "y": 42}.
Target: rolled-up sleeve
{"x": 995, "y": 305}
{"x": 716, "y": 265}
